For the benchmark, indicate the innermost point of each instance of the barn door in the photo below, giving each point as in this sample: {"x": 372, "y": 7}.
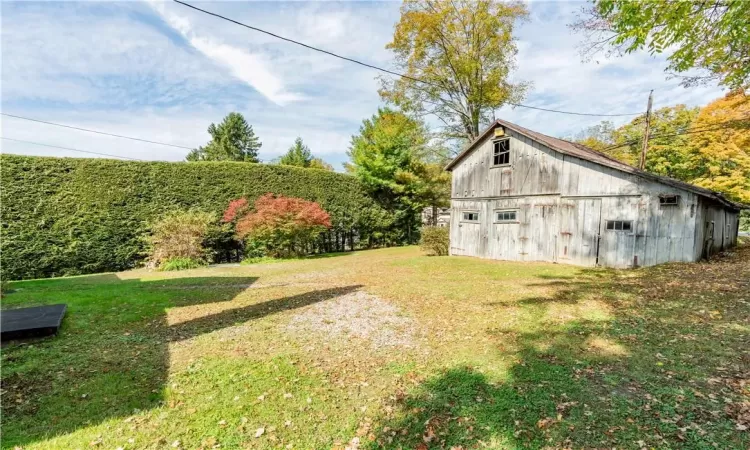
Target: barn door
{"x": 579, "y": 231}
{"x": 469, "y": 234}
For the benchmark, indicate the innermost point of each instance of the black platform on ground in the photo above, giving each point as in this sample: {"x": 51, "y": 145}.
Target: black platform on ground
{"x": 31, "y": 322}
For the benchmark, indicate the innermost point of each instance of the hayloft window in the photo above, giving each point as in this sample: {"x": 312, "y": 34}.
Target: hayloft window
{"x": 620, "y": 225}
{"x": 501, "y": 152}
{"x": 510, "y": 216}
{"x": 470, "y": 216}
{"x": 669, "y": 200}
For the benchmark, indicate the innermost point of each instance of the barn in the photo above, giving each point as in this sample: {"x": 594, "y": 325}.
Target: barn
{"x": 524, "y": 196}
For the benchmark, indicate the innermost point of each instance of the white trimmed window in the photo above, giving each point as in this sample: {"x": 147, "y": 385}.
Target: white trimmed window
{"x": 506, "y": 216}
{"x": 470, "y": 216}
{"x": 620, "y": 225}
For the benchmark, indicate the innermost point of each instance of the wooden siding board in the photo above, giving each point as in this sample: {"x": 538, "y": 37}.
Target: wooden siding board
{"x": 563, "y": 203}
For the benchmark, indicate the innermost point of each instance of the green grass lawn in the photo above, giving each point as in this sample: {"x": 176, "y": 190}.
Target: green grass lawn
{"x": 387, "y": 349}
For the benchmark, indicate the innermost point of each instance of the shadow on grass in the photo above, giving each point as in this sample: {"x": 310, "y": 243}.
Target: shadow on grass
{"x": 329, "y": 255}
{"x": 111, "y": 357}
{"x": 657, "y": 372}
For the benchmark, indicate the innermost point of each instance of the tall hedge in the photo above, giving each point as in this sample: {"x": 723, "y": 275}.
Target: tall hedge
{"x": 63, "y": 216}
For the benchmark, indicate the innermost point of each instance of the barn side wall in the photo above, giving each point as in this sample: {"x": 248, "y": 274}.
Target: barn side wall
{"x": 716, "y": 228}
{"x": 563, "y": 205}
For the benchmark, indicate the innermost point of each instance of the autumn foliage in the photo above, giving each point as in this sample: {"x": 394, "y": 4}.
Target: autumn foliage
{"x": 721, "y": 146}
{"x": 236, "y": 209}
{"x": 287, "y": 226}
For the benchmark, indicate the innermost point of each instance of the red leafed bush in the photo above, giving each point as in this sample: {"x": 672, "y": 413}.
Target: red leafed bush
{"x": 236, "y": 208}
{"x": 285, "y": 225}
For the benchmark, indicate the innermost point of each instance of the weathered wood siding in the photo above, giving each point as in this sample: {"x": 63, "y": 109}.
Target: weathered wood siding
{"x": 716, "y": 228}
{"x": 563, "y": 204}
{"x": 534, "y": 169}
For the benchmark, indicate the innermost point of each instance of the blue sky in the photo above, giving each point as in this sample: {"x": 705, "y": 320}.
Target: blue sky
{"x": 163, "y": 72}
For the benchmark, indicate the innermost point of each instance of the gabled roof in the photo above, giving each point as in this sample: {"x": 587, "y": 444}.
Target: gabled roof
{"x": 589, "y": 154}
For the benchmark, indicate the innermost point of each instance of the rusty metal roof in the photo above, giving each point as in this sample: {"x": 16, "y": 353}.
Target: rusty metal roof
{"x": 589, "y": 154}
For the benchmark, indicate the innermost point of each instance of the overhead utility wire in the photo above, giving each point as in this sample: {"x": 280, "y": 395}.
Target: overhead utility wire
{"x": 409, "y": 77}
{"x": 692, "y": 131}
{"x": 68, "y": 148}
{"x": 95, "y": 131}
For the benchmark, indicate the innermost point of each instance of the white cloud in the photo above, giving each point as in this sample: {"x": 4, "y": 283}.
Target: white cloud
{"x": 252, "y": 68}
{"x": 164, "y": 72}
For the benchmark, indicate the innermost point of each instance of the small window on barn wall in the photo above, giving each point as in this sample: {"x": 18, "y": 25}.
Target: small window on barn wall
{"x": 501, "y": 152}
{"x": 507, "y": 216}
{"x": 470, "y": 216}
{"x": 620, "y": 225}
{"x": 669, "y": 200}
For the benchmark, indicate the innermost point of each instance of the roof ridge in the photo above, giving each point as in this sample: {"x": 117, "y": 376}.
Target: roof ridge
{"x": 589, "y": 154}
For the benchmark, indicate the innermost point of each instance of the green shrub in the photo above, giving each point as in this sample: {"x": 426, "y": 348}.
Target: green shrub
{"x": 254, "y": 249}
{"x": 745, "y": 220}
{"x": 435, "y": 240}
{"x": 4, "y": 288}
{"x": 67, "y": 216}
{"x": 180, "y": 263}
{"x": 180, "y": 236}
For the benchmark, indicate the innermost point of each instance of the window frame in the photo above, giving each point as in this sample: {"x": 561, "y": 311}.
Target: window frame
{"x": 495, "y": 154}
{"x": 469, "y": 211}
{"x": 622, "y": 223}
{"x": 664, "y": 197}
{"x": 515, "y": 215}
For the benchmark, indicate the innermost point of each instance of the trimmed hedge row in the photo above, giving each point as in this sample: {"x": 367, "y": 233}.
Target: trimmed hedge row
{"x": 66, "y": 216}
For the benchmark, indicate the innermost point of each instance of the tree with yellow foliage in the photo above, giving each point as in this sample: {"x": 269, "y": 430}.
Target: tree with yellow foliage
{"x": 457, "y": 56}
{"x": 720, "y": 146}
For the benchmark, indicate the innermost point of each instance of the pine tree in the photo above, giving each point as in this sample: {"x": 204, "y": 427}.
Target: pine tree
{"x": 298, "y": 155}
{"x": 231, "y": 140}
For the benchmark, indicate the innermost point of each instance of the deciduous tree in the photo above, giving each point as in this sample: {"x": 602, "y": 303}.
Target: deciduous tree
{"x": 464, "y": 52}
{"x": 231, "y": 140}
{"x": 668, "y": 152}
{"x": 721, "y": 151}
{"x": 285, "y": 225}
{"x": 712, "y": 36}
{"x": 319, "y": 164}
{"x": 707, "y": 146}
{"x": 597, "y": 136}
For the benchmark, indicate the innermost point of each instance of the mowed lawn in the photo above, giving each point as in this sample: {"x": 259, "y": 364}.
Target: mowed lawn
{"x": 387, "y": 349}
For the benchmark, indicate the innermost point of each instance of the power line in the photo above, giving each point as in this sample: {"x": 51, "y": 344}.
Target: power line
{"x": 95, "y": 131}
{"x": 401, "y": 75}
{"x": 68, "y": 148}
{"x": 703, "y": 129}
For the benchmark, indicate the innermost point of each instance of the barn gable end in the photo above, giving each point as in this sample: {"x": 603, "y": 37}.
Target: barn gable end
{"x": 552, "y": 200}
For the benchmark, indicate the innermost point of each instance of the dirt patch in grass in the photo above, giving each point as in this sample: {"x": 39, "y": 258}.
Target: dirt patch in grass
{"x": 357, "y": 315}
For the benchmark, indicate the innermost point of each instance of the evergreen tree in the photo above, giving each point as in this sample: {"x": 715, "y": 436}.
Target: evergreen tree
{"x": 232, "y": 140}
{"x": 389, "y": 155}
{"x": 298, "y": 155}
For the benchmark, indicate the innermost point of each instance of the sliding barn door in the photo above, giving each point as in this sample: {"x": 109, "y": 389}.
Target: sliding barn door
{"x": 580, "y": 224}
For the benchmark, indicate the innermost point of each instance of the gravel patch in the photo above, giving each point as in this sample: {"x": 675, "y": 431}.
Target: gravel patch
{"x": 358, "y": 315}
